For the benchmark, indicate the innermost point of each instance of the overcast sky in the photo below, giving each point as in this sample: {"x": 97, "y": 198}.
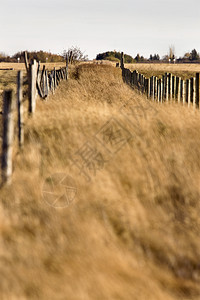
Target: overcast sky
{"x": 144, "y": 26}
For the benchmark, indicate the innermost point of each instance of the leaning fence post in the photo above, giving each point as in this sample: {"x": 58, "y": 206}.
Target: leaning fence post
{"x": 26, "y": 61}
{"x": 20, "y": 109}
{"x": 8, "y": 135}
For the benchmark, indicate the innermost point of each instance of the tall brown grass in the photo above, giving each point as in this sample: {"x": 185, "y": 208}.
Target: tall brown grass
{"x": 132, "y": 232}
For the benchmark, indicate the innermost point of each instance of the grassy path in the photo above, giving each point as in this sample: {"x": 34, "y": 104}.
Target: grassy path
{"x": 127, "y": 226}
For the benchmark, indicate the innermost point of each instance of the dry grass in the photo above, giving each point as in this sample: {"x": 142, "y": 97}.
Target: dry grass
{"x": 132, "y": 232}
{"x": 182, "y": 70}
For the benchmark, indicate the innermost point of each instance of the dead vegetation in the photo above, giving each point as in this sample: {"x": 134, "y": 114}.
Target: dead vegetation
{"x": 132, "y": 232}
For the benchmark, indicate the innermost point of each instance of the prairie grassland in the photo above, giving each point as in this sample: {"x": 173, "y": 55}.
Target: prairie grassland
{"x": 21, "y": 66}
{"x": 182, "y": 70}
{"x": 132, "y": 232}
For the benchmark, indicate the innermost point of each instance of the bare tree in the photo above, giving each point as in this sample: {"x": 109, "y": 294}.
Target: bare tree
{"x": 74, "y": 54}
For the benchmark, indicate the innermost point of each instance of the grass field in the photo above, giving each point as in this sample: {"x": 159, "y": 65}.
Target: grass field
{"x": 182, "y": 70}
{"x": 132, "y": 231}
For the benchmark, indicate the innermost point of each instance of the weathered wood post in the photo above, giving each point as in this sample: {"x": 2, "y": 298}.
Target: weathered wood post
{"x": 67, "y": 67}
{"x": 32, "y": 87}
{"x": 163, "y": 86}
{"x": 155, "y": 87}
{"x": 197, "y": 90}
{"x": 161, "y": 90}
{"x": 151, "y": 87}
{"x": 188, "y": 94}
{"x": 193, "y": 91}
{"x": 184, "y": 91}
{"x": 181, "y": 92}
{"x": 166, "y": 86}
{"x": 170, "y": 86}
{"x": 26, "y": 61}
{"x": 122, "y": 60}
{"x": 148, "y": 88}
{"x": 55, "y": 79}
{"x": 20, "y": 109}
{"x": 8, "y": 136}
{"x": 173, "y": 86}
{"x": 52, "y": 82}
{"x": 46, "y": 84}
{"x": 178, "y": 85}
{"x": 158, "y": 90}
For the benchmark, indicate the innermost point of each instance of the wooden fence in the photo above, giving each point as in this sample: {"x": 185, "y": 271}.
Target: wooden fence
{"x": 167, "y": 88}
{"x": 41, "y": 83}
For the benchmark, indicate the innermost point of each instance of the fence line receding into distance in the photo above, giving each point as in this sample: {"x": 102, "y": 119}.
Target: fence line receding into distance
{"x": 41, "y": 83}
{"x": 164, "y": 89}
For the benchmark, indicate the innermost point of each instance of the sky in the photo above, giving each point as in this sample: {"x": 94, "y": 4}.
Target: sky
{"x": 143, "y": 26}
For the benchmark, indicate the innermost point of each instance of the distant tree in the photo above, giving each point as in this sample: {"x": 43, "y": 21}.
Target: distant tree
{"x": 137, "y": 58}
{"x": 186, "y": 55}
{"x": 114, "y": 56}
{"x": 194, "y": 55}
{"x": 3, "y": 57}
{"x": 156, "y": 57}
{"x": 41, "y": 56}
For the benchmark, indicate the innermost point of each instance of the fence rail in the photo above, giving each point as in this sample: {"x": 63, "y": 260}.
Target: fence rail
{"x": 164, "y": 89}
{"x": 41, "y": 83}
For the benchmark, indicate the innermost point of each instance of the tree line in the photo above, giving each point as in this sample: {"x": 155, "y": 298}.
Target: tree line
{"x": 192, "y": 56}
{"x": 73, "y": 52}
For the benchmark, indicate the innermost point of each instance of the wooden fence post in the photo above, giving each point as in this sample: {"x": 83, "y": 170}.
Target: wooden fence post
{"x": 194, "y": 92}
{"x": 155, "y": 87}
{"x": 67, "y": 66}
{"x": 32, "y": 87}
{"x": 173, "y": 86}
{"x": 148, "y": 87}
{"x": 188, "y": 94}
{"x": 158, "y": 90}
{"x": 184, "y": 91}
{"x": 163, "y": 86}
{"x": 8, "y": 136}
{"x": 181, "y": 90}
{"x": 122, "y": 60}
{"x": 166, "y": 86}
{"x": 161, "y": 90}
{"x": 46, "y": 84}
{"x": 20, "y": 109}
{"x": 197, "y": 90}
{"x": 54, "y": 78}
{"x": 26, "y": 62}
{"x": 151, "y": 87}
{"x": 178, "y": 85}
{"x": 170, "y": 86}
